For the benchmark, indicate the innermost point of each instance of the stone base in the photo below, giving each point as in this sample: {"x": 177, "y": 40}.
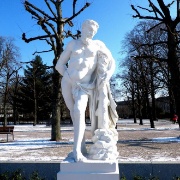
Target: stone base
{"x": 89, "y": 170}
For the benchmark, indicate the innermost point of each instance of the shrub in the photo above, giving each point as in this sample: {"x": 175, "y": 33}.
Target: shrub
{"x": 18, "y": 175}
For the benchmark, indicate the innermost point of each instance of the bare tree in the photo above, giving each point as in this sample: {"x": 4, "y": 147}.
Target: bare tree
{"x": 144, "y": 78}
{"x": 9, "y": 58}
{"x": 161, "y": 14}
{"x": 53, "y": 25}
{"x": 14, "y": 89}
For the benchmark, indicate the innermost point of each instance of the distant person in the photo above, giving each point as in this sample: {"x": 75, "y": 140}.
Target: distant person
{"x": 175, "y": 118}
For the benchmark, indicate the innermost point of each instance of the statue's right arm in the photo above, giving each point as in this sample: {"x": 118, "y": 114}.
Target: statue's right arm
{"x": 64, "y": 58}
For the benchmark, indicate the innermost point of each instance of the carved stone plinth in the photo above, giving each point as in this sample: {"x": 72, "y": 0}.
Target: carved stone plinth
{"x": 89, "y": 170}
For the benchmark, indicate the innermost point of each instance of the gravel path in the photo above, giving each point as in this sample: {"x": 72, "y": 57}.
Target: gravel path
{"x": 136, "y": 143}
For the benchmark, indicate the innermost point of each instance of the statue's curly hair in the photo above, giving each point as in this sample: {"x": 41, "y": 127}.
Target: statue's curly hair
{"x": 90, "y": 22}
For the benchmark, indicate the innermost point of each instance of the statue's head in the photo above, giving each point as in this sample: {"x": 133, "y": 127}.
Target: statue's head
{"x": 102, "y": 54}
{"x": 103, "y": 58}
{"x": 89, "y": 28}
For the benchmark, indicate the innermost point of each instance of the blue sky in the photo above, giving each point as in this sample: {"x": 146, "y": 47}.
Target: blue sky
{"x": 114, "y": 18}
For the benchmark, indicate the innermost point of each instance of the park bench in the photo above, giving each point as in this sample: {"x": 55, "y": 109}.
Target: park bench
{"x": 7, "y": 130}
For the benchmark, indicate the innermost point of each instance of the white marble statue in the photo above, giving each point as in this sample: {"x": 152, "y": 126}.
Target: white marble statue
{"x": 90, "y": 66}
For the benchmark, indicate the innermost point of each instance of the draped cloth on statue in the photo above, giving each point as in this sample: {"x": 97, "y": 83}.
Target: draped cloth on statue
{"x": 92, "y": 91}
{"x": 111, "y": 107}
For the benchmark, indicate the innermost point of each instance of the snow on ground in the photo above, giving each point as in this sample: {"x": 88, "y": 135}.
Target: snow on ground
{"x": 167, "y": 139}
{"x": 32, "y": 149}
{"x": 40, "y": 128}
{"x": 13, "y": 150}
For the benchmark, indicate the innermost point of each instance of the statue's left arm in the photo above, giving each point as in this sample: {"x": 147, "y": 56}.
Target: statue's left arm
{"x": 64, "y": 58}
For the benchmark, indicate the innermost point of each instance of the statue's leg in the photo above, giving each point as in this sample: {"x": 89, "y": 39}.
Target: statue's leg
{"x": 79, "y": 125}
{"x": 66, "y": 86}
{"x": 83, "y": 146}
{"x": 79, "y": 104}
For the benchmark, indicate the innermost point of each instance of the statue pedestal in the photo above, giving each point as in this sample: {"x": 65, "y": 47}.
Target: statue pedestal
{"x": 89, "y": 170}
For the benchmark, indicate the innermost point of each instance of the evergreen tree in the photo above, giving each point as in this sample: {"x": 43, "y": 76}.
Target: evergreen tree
{"x": 36, "y": 91}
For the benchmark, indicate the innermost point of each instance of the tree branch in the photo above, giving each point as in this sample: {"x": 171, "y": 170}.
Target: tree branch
{"x": 170, "y": 4}
{"x": 164, "y": 9}
{"x": 74, "y": 36}
{"x": 138, "y": 15}
{"x": 34, "y": 38}
{"x": 154, "y": 58}
{"x": 76, "y": 14}
{"x": 155, "y": 43}
{"x": 41, "y": 22}
{"x": 48, "y": 5}
{"x": 155, "y": 9}
{"x": 74, "y": 6}
{"x": 38, "y": 52}
{"x": 28, "y": 5}
{"x": 154, "y": 27}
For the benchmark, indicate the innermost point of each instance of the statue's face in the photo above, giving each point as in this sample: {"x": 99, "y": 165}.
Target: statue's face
{"x": 102, "y": 59}
{"x": 88, "y": 31}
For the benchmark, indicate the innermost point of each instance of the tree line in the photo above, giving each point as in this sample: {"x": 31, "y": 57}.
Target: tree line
{"x": 29, "y": 94}
{"x": 151, "y": 66}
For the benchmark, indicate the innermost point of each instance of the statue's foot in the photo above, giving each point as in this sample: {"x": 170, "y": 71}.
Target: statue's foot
{"x": 78, "y": 157}
{"x": 70, "y": 155}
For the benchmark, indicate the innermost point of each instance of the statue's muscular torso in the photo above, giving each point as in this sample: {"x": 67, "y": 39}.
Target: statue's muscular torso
{"x": 83, "y": 61}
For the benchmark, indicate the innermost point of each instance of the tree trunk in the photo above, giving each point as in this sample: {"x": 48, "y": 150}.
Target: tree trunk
{"x": 5, "y": 100}
{"x": 5, "y": 114}
{"x": 35, "y": 112}
{"x": 15, "y": 114}
{"x": 140, "y": 117}
{"x": 35, "y": 103}
{"x": 172, "y": 107}
{"x": 15, "y": 109}
{"x": 154, "y": 116}
{"x": 56, "y": 107}
{"x": 153, "y": 105}
{"x": 173, "y": 65}
{"x": 149, "y": 108}
{"x": 134, "y": 107}
{"x": 139, "y": 106}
